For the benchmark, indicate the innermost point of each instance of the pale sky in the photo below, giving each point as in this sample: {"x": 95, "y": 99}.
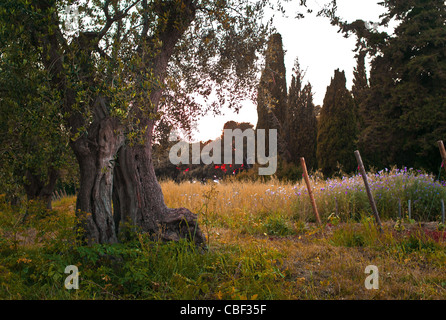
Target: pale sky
{"x": 320, "y": 49}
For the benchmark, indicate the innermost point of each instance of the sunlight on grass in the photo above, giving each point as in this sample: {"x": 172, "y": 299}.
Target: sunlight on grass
{"x": 263, "y": 243}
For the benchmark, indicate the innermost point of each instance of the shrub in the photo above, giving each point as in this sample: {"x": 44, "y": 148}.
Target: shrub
{"x": 278, "y": 226}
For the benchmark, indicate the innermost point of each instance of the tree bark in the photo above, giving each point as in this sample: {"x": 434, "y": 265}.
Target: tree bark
{"x": 118, "y": 185}
{"x": 138, "y": 198}
{"x": 96, "y": 154}
{"x": 36, "y": 189}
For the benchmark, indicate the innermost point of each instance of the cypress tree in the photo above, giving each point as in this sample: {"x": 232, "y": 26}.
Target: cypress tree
{"x": 336, "y": 128}
{"x": 377, "y": 139}
{"x": 406, "y": 101}
{"x": 360, "y": 86}
{"x": 301, "y": 121}
{"x": 272, "y": 93}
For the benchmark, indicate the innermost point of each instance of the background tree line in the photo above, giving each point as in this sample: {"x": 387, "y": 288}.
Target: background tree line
{"x": 395, "y": 116}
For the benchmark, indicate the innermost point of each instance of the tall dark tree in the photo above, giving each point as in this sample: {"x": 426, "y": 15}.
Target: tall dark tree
{"x": 377, "y": 138}
{"x": 337, "y": 130}
{"x": 301, "y": 124}
{"x": 272, "y": 92}
{"x": 360, "y": 86}
{"x": 360, "y": 82}
{"x": 407, "y": 87}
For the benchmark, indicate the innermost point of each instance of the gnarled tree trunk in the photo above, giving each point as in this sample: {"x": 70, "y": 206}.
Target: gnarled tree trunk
{"x": 37, "y": 189}
{"x": 138, "y": 197}
{"x": 96, "y": 155}
{"x": 118, "y": 185}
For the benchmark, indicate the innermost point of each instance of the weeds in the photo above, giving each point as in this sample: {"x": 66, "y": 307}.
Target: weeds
{"x": 265, "y": 245}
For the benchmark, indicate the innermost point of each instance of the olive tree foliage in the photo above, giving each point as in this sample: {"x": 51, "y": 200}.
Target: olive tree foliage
{"x": 116, "y": 68}
{"x": 33, "y": 143}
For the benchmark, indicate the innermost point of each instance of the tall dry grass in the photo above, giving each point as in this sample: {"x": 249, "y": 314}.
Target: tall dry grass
{"x": 345, "y": 197}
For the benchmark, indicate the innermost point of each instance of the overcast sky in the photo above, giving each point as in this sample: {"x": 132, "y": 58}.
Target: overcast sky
{"x": 319, "y": 48}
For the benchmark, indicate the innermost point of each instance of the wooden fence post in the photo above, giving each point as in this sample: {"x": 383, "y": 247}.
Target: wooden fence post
{"x": 399, "y": 208}
{"x": 442, "y": 152}
{"x": 310, "y": 192}
{"x": 409, "y": 209}
{"x": 367, "y": 188}
{"x": 442, "y": 211}
{"x": 443, "y": 157}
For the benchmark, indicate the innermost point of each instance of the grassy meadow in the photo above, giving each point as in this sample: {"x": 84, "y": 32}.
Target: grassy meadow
{"x": 262, "y": 243}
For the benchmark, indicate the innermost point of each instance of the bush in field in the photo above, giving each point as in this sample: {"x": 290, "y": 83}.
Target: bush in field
{"x": 278, "y": 226}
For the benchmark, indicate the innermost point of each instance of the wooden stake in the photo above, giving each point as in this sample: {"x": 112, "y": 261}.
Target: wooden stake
{"x": 442, "y": 211}
{"x": 337, "y": 207}
{"x": 367, "y": 188}
{"x": 310, "y": 192}
{"x": 410, "y": 209}
{"x": 399, "y": 208}
{"x": 442, "y": 152}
